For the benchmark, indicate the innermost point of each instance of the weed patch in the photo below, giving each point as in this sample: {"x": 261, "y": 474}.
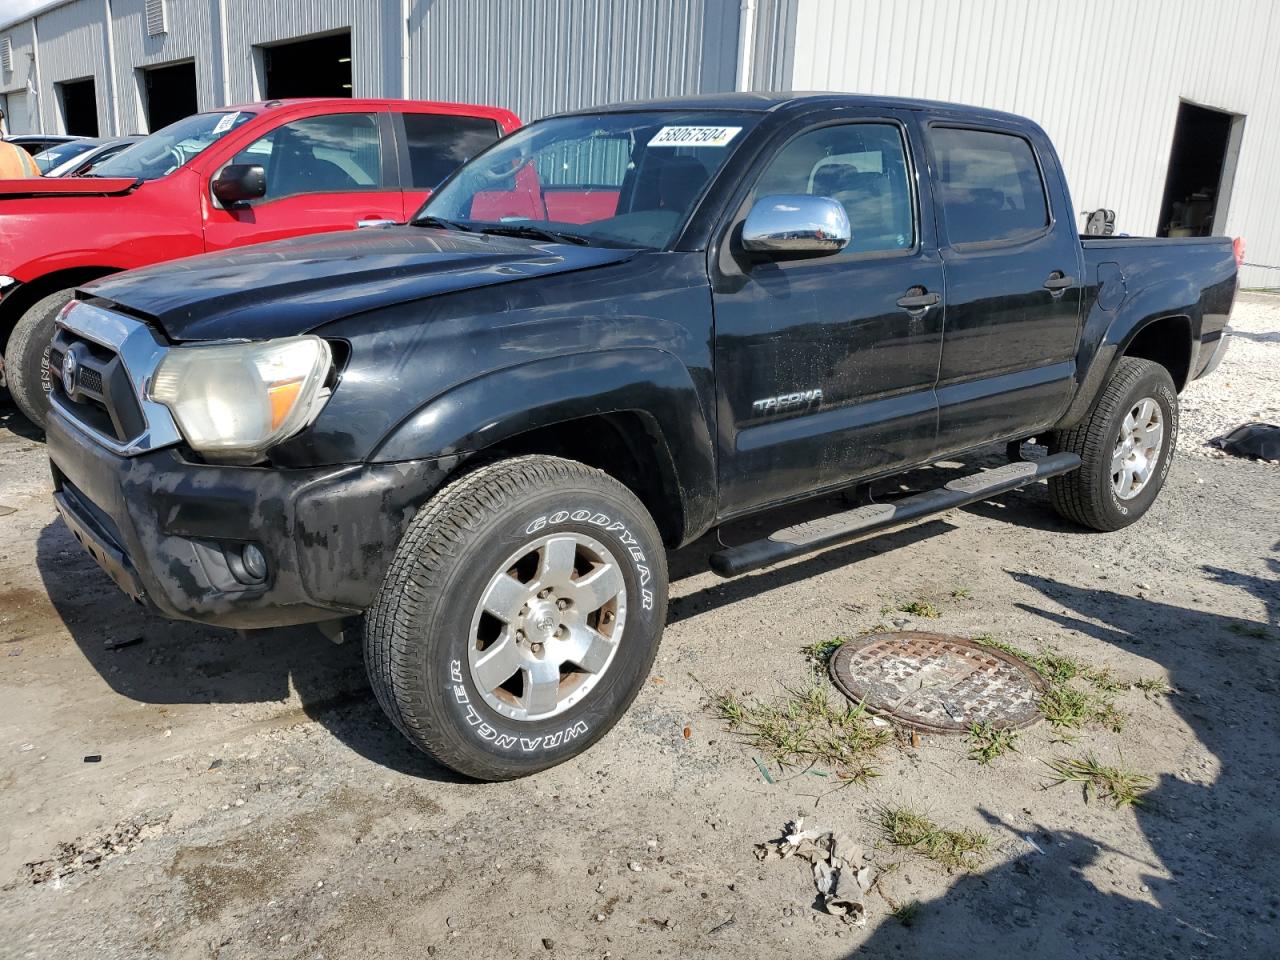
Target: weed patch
{"x": 804, "y": 729}
{"x": 1120, "y": 788}
{"x": 986, "y": 743}
{"x": 954, "y": 849}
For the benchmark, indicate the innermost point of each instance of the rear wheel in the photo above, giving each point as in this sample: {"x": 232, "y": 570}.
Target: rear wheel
{"x": 1125, "y": 445}
{"x": 26, "y": 357}
{"x": 519, "y": 617}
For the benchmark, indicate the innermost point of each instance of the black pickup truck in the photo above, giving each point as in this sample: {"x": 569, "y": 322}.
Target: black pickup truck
{"x": 473, "y": 437}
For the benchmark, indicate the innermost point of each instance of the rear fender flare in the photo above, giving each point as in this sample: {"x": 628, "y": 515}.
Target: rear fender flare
{"x": 1119, "y": 328}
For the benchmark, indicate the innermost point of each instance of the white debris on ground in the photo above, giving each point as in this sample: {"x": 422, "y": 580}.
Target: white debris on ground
{"x": 1246, "y": 387}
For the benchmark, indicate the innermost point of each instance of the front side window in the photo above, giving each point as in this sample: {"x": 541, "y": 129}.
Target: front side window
{"x": 168, "y": 149}
{"x": 861, "y": 165}
{"x": 990, "y": 186}
{"x": 615, "y": 179}
{"x": 439, "y": 144}
{"x": 339, "y": 153}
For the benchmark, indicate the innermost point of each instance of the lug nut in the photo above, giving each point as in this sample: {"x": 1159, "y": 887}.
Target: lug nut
{"x": 536, "y": 648}
{"x": 543, "y": 594}
{"x": 562, "y": 604}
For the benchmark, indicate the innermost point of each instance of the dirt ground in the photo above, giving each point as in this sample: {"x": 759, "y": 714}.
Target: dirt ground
{"x": 203, "y": 793}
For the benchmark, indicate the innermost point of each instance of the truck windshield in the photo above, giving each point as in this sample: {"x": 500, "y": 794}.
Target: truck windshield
{"x": 169, "y": 148}
{"x": 614, "y": 179}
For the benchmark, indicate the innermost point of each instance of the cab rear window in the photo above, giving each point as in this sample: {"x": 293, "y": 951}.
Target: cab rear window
{"x": 990, "y": 186}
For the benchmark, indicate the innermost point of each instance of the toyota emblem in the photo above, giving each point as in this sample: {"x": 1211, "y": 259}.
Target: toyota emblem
{"x": 70, "y": 368}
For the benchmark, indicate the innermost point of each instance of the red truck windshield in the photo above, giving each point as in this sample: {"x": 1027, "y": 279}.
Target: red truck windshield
{"x": 616, "y": 179}
{"x": 169, "y": 148}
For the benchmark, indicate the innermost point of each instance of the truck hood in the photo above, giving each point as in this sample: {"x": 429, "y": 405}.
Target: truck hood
{"x": 293, "y": 286}
{"x": 54, "y": 187}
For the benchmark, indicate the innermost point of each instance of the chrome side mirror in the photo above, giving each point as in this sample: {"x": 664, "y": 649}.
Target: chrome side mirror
{"x": 799, "y": 225}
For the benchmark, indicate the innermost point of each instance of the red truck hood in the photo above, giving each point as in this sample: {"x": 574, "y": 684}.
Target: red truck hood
{"x": 65, "y": 187}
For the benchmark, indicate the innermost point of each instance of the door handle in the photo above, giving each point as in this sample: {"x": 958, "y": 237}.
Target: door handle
{"x": 374, "y": 222}
{"x": 917, "y": 298}
{"x": 1059, "y": 281}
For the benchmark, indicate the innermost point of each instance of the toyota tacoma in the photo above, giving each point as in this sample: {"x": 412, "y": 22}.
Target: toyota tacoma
{"x": 473, "y": 438}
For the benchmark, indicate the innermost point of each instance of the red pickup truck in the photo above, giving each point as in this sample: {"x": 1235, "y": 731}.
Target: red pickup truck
{"x": 233, "y": 176}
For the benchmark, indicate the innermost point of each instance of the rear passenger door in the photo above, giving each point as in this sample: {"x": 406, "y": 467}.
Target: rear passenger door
{"x": 1012, "y": 264}
{"x": 329, "y": 172}
{"x": 432, "y": 146}
{"x": 825, "y": 367}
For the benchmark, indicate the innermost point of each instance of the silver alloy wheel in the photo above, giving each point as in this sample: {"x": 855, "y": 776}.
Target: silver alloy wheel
{"x": 1137, "y": 450}
{"x": 547, "y": 626}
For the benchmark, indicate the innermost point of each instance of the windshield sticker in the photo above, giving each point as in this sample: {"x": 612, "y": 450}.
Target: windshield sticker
{"x": 694, "y": 136}
{"x": 225, "y": 124}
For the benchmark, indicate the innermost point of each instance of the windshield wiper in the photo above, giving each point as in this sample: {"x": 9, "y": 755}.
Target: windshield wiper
{"x": 535, "y": 233}
{"x": 442, "y": 223}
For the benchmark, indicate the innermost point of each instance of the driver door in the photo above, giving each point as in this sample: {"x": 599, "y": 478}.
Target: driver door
{"x": 324, "y": 173}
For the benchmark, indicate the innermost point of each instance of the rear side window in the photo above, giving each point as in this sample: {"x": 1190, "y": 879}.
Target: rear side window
{"x": 989, "y": 184}
{"x": 439, "y": 144}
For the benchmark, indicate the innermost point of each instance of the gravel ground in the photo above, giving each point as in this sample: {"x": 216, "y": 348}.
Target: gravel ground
{"x": 201, "y": 793}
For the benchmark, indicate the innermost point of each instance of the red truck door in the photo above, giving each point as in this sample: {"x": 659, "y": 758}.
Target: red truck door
{"x": 433, "y": 145}
{"x": 329, "y": 172}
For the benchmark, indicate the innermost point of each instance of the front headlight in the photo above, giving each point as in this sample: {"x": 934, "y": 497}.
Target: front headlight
{"x": 235, "y": 401}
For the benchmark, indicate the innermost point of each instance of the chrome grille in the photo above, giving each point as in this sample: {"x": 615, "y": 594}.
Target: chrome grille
{"x": 99, "y": 364}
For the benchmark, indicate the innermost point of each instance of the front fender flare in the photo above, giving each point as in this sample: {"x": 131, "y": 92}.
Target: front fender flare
{"x": 483, "y": 412}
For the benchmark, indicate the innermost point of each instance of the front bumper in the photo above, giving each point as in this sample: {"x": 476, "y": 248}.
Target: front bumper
{"x": 169, "y": 532}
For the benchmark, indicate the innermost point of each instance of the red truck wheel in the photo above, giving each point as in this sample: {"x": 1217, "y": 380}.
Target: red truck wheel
{"x": 26, "y": 358}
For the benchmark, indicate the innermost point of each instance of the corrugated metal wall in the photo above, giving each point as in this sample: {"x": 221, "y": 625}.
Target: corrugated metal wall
{"x": 541, "y": 56}
{"x": 1103, "y": 77}
{"x": 20, "y": 112}
{"x": 375, "y": 40}
{"x": 191, "y": 35}
{"x": 72, "y": 46}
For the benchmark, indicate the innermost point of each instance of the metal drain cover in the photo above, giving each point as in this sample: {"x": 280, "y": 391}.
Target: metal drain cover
{"x": 937, "y": 684}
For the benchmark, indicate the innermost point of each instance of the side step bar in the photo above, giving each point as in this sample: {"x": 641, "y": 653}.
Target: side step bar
{"x": 829, "y": 531}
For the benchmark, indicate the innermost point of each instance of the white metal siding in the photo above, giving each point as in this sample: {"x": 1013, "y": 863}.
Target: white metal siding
{"x": 73, "y": 46}
{"x": 20, "y": 117}
{"x": 190, "y": 35}
{"x": 375, "y": 51}
{"x": 538, "y": 57}
{"x": 1103, "y": 77}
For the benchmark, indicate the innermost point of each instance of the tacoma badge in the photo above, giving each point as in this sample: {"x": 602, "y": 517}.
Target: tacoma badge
{"x": 787, "y": 401}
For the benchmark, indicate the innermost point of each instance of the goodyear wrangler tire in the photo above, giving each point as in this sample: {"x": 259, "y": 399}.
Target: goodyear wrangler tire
{"x": 519, "y": 617}
{"x": 1126, "y": 446}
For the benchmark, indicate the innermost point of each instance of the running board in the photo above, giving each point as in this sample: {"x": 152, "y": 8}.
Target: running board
{"x": 875, "y": 517}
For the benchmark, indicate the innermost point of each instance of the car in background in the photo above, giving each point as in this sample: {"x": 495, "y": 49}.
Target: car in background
{"x": 225, "y": 178}
{"x": 35, "y": 143}
{"x": 76, "y": 158}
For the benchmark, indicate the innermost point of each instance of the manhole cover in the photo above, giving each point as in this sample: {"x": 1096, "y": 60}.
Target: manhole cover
{"x": 935, "y": 683}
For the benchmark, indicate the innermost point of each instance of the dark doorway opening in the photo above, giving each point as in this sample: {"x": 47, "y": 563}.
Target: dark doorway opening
{"x": 319, "y": 67}
{"x": 1201, "y": 168}
{"x": 79, "y": 107}
{"x": 169, "y": 93}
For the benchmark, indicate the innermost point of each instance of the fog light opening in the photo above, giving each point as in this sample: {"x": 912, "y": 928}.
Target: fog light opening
{"x": 255, "y": 562}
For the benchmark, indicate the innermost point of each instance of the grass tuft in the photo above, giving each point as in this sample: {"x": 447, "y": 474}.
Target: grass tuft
{"x": 986, "y": 742}
{"x": 1153, "y": 687}
{"x": 1063, "y": 704}
{"x": 954, "y": 849}
{"x": 920, "y": 608}
{"x": 961, "y": 593}
{"x": 806, "y": 728}
{"x": 1120, "y": 788}
{"x": 1246, "y": 628}
{"x": 907, "y": 913}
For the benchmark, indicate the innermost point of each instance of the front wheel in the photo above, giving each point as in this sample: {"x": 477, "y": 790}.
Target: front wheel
{"x": 519, "y": 616}
{"x": 1125, "y": 445}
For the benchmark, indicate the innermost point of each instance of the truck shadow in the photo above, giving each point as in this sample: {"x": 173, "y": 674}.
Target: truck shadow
{"x": 187, "y": 663}
{"x": 1210, "y": 888}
